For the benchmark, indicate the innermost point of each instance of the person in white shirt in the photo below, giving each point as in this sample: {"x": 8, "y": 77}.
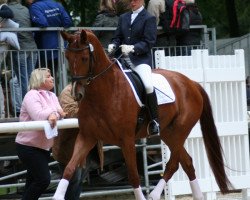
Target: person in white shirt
{"x": 136, "y": 35}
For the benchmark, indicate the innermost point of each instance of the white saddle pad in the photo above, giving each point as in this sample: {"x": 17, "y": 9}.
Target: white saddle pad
{"x": 163, "y": 90}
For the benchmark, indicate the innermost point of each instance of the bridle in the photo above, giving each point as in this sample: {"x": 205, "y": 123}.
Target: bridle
{"x": 90, "y": 76}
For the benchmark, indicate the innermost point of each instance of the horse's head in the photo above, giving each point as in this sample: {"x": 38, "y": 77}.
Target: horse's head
{"x": 80, "y": 55}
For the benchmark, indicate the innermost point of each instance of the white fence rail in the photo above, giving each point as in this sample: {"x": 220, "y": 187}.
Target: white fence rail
{"x": 223, "y": 77}
{"x": 12, "y": 127}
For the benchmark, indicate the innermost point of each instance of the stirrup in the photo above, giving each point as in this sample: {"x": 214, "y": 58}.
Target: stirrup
{"x": 153, "y": 128}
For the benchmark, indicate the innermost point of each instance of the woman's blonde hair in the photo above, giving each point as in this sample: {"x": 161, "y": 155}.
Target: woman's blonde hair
{"x": 107, "y": 5}
{"x": 37, "y": 78}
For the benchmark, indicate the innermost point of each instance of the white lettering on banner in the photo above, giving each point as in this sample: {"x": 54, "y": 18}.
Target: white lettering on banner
{"x": 51, "y": 10}
{"x": 52, "y": 15}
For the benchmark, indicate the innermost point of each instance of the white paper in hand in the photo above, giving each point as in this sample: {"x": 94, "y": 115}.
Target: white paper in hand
{"x": 49, "y": 132}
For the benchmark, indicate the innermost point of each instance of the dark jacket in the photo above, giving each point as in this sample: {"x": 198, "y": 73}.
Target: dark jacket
{"x": 191, "y": 16}
{"x": 22, "y": 17}
{"x": 48, "y": 13}
{"x": 5, "y": 12}
{"x": 141, "y": 33}
{"x": 105, "y": 19}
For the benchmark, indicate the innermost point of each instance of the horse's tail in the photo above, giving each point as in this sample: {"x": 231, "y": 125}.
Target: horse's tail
{"x": 212, "y": 144}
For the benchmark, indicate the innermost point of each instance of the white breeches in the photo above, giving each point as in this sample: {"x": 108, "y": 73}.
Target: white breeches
{"x": 145, "y": 73}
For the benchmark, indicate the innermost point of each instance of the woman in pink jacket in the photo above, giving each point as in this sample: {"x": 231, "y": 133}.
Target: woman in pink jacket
{"x": 33, "y": 147}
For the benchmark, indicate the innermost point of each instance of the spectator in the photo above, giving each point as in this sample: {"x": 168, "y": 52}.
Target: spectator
{"x": 48, "y": 13}
{"x": 3, "y": 49}
{"x": 33, "y": 146}
{"x": 6, "y": 15}
{"x": 136, "y": 35}
{"x": 157, "y": 8}
{"x": 16, "y": 96}
{"x": 64, "y": 145}
{"x": 25, "y": 60}
{"x": 191, "y": 38}
{"x": 107, "y": 17}
{"x": 6, "y": 38}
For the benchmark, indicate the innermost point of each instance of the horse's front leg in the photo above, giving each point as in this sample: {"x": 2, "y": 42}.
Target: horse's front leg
{"x": 129, "y": 154}
{"x": 81, "y": 149}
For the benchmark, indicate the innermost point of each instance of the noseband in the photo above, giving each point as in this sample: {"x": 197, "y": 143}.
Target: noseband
{"x": 89, "y": 75}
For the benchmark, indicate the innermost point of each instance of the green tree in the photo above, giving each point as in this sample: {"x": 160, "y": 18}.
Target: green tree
{"x": 232, "y": 18}
{"x": 83, "y": 12}
{"x": 229, "y": 17}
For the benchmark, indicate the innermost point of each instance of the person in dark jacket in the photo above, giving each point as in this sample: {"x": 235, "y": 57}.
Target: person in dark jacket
{"x": 106, "y": 17}
{"x": 48, "y": 13}
{"x": 136, "y": 35}
{"x": 191, "y": 38}
{"x": 25, "y": 60}
{"x": 5, "y": 13}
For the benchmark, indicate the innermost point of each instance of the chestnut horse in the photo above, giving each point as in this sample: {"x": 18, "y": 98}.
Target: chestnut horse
{"x": 108, "y": 111}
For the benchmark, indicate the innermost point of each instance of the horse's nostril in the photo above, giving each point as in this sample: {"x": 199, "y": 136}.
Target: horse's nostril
{"x": 78, "y": 96}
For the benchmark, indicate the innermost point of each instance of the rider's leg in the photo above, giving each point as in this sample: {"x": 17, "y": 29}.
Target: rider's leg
{"x": 144, "y": 71}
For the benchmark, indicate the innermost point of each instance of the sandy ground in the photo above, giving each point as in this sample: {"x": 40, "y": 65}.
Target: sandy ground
{"x": 233, "y": 196}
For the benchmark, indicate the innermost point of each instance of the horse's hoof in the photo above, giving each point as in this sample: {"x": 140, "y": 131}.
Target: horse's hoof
{"x": 57, "y": 198}
{"x": 154, "y": 196}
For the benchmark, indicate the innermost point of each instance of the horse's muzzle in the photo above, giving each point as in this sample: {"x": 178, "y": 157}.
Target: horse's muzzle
{"x": 77, "y": 92}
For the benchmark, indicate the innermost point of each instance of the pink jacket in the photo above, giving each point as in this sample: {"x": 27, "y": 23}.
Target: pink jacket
{"x": 37, "y": 105}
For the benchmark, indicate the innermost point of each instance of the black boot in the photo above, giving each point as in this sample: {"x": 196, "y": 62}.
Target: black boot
{"x": 153, "y": 126}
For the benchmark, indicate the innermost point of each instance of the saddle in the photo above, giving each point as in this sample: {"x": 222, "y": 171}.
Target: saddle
{"x": 137, "y": 83}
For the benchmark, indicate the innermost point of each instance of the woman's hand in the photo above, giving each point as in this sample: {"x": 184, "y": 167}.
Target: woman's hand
{"x": 52, "y": 119}
{"x": 62, "y": 113}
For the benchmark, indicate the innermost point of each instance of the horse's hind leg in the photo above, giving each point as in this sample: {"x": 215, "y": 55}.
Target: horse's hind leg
{"x": 81, "y": 149}
{"x": 171, "y": 167}
{"x": 187, "y": 165}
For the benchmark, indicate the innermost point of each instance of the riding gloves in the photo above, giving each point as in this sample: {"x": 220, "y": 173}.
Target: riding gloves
{"x": 126, "y": 49}
{"x": 111, "y": 48}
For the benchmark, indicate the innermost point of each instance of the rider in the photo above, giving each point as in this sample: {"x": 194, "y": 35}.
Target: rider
{"x": 135, "y": 35}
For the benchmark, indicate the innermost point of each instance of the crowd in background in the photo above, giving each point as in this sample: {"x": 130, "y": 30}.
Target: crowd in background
{"x": 27, "y": 58}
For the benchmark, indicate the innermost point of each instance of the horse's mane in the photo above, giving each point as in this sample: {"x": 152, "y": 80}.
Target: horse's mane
{"x": 96, "y": 43}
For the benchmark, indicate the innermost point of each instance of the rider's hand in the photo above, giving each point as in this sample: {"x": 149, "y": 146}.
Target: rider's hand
{"x": 111, "y": 48}
{"x": 126, "y": 49}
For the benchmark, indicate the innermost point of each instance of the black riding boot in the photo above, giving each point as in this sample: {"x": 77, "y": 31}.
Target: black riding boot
{"x": 153, "y": 126}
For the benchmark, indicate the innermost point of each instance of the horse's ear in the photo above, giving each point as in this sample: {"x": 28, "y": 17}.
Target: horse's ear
{"x": 83, "y": 36}
{"x": 66, "y": 36}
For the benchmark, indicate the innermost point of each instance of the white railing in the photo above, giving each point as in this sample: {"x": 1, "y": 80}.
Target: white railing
{"x": 223, "y": 77}
{"x": 12, "y": 127}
